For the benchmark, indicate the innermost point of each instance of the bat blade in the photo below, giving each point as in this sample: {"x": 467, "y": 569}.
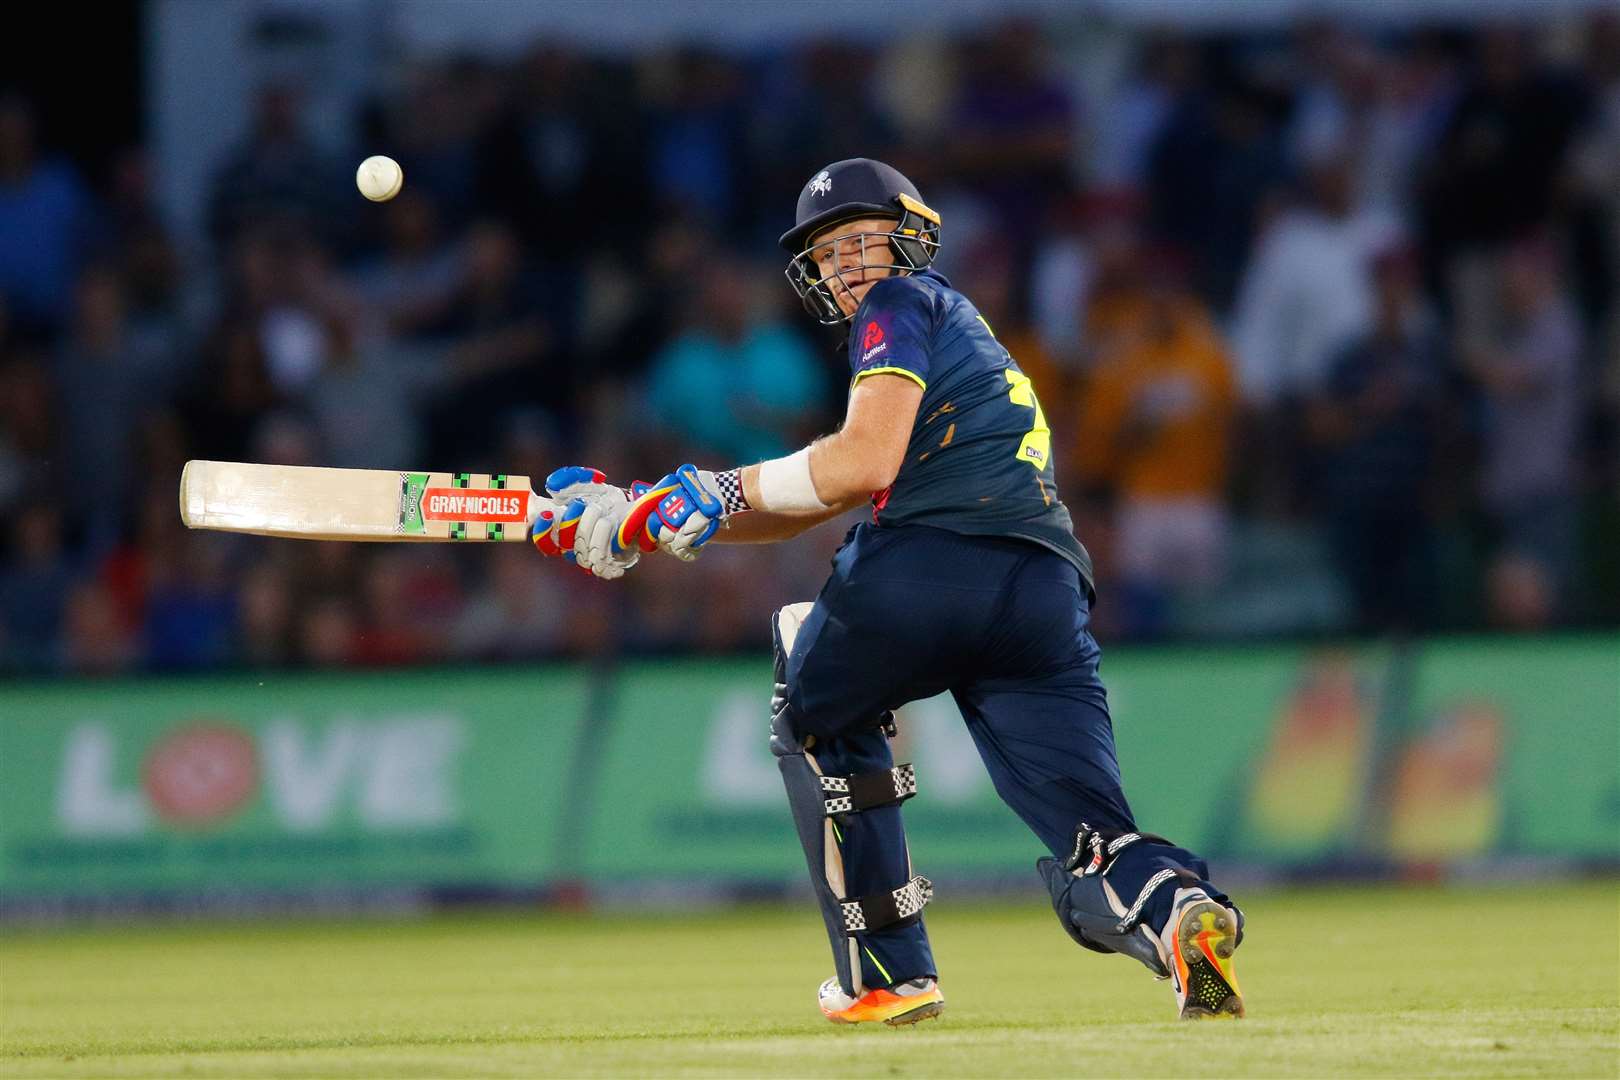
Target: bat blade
{"x": 311, "y": 503}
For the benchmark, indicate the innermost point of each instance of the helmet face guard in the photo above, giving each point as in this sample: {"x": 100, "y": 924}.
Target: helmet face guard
{"x": 911, "y": 246}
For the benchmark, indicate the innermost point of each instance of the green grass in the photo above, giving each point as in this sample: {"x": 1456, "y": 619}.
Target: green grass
{"x": 1373, "y": 982}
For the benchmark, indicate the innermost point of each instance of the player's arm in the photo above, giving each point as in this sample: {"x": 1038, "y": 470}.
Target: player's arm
{"x": 832, "y": 475}
{"x": 779, "y": 499}
{"x": 763, "y": 527}
{"x": 864, "y": 455}
{"x": 687, "y": 508}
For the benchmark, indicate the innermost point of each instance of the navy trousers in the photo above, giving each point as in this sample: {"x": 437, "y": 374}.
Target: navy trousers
{"x": 913, "y": 611}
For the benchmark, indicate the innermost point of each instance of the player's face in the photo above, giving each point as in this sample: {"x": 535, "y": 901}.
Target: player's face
{"x": 852, "y": 256}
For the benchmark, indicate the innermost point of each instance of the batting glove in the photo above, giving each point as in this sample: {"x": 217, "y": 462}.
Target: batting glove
{"x": 680, "y": 513}
{"x": 583, "y": 532}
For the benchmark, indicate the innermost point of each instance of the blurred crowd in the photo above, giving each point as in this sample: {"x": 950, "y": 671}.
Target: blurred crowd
{"x": 1325, "y": 322}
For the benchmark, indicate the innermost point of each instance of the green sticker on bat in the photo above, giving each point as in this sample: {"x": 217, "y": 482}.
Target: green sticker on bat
{"x": 411, "y": 487}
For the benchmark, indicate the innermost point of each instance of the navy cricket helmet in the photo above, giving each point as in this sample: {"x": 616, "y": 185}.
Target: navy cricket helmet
{"x": 845, "y": 191}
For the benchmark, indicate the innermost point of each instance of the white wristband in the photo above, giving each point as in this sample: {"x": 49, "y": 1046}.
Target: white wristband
{"x": 785, "y": 484}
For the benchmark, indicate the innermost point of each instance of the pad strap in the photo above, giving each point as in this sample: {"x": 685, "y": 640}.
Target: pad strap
{"x": 852, "y": 794}
{"x": 885, "y": 909}
{"x": 1096, "y": 849}
{"x": 1134, "y": 915}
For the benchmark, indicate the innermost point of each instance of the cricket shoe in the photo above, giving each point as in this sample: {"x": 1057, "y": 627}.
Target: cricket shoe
{"x": 1198, "y": 942}
{"x": 897, "y": 1005}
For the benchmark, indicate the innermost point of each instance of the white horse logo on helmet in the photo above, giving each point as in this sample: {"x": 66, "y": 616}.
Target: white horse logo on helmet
{"x": 822, "y": 183}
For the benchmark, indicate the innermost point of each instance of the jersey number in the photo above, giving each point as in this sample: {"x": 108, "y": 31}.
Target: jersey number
{"x": 1037, "y": 444}
{"x": 1036, "y": 447}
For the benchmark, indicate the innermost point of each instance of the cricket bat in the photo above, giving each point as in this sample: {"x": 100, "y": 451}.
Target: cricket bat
{"x": 357, "y": 504}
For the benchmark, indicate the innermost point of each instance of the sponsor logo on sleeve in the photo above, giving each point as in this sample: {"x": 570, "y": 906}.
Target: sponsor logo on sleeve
{"x": 874, "y": 342}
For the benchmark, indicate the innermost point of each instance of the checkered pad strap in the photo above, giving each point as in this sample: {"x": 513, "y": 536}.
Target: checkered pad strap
{"x": 885, "y": 909}
{"x": 852, "y": 794}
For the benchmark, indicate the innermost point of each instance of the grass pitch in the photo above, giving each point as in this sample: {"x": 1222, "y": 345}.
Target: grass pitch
{"x": 1366, "y": 982}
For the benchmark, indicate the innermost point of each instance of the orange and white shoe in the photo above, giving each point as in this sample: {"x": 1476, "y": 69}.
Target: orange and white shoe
{"x": 1198, "y": 942}
{"x": 897, "y": 1005}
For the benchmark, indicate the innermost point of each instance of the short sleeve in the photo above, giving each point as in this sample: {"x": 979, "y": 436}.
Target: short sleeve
{"x": 891, "y": 330}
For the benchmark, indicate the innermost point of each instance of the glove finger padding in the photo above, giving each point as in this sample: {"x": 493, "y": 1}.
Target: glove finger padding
{"x": 688, "y": 513}
{"x": 555, "y": 534}
{"x": 577, "y": 481}
{"x": 593, "y": 545}
{"x": 684, "y": 543}
{"x": 582, "y": 530}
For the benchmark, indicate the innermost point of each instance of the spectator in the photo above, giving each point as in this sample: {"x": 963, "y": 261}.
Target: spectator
{"x": 1308, "y": 290}
{"x": 1493, "y": 177}
{"x": 1061, "y": 278}
{"x": 1498, "y": 161}
{"x": 656, "y": 308}
{"x": 435, "y": 126}
{"x": 699, "y": 162}
{"x": 732, "y": 386}
{"x": 127, "y": 571}
{"x": 396, "y": 626}
{"x": 1165, "y": 70}
{"x": 1596, "y": 187}
{"x": 1155, "y": 426}
{"x": 277, "y": 174}
{"x": 27, "y": 427}
{"x": 519, "y": 613}
{"x": 1530, "y": 377}
{"x": 285, "y": 438}
{"x": 1306, "y": 294}
{"x": 498, "y": 338}
{"x": 34, "y": 584}
{"x": 1215, "y": 167}
{"x": 296, "y": 331}
{"x": 1012, "y": 129}
{"x": 150, "y": 264}
{"x": 232, "y": 393}
{"x": 1390, "y": 105}
{"x": 264, "y": 618}
{"x": 412, "y": 283}
{"x": 547, "y": 280}
{"x": 1376, "y": 424}
{"x": 95, "y": 641}
{"x": 46, "y": 226}
{"x": 1086, "y": 286}
{"x": 1520, "y": 594}
{"x": 190, "y": 605}
{"x": 366, "y": 401}
{"x": 564, "y": 163}
{"x": 110, "y": 381}
{"x": 327, "y": 633}
{"x": 1114, "y": 307}
{"x": 325, "y": 571}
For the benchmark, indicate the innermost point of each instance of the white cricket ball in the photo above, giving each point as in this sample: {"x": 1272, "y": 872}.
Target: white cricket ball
{"x": 379, "y": 178}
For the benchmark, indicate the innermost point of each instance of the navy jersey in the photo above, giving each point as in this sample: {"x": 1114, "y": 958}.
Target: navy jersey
{"x": 980, "y": 458}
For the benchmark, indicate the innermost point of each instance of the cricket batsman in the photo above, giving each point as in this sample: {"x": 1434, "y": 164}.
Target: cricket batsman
{"x": 968, "y": 579}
